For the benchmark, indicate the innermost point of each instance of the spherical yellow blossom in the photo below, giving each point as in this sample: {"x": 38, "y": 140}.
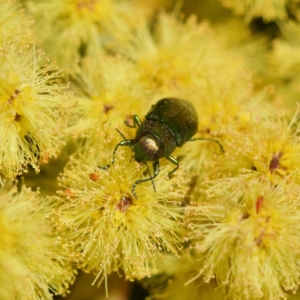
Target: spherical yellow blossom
{"x": 284, "y": 61}
{"x": 33, "y": 109}
{"x": 14, "y": 25}
{"x": 34, "y": 262}
{"x": 176, "y": 55}
{"x": 110, "y": 92}
{"x": 111, "y": 228}
{"x": 267, "y": 9}
{"x": 72, "y": 28}
{"x": 248, "y": 48}
{"x": 286, "y": 46}
{"x": 246, "y": 235}
{"x": 271, "y": 147}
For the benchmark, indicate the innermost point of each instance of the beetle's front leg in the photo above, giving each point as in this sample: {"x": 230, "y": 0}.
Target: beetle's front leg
{"x": 208, "y": 139}
{"x": 156, "y": 171}
{"x": 173, "y": 161}
{"x": 136, "y": 122}
{"x": 122, "y": 143}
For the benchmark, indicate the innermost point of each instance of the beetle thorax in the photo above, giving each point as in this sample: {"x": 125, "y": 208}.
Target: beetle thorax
{"x": 147, "y": 148}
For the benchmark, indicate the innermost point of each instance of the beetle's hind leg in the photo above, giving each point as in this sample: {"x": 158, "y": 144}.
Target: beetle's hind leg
{"x": 136, "y": 122}
{"x": 173, "y": 161}
{"x": 156, "y": 171}
{"x": 122, "y": 143}
{"x": 208, "y": 139}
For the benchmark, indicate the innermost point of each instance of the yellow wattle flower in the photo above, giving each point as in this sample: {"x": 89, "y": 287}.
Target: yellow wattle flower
{"x": 15, "y": 26}
{"x": 111, "y": 228}
{"x": 82, "y": 27}
{"x": 271, "y": 148}
{"x": 34, "y": 109}
{"x": 245, "y": 235}
{"x": 34, "y": 262}
{"x": 110, "y": 92}
{"x": 268, "y": 10}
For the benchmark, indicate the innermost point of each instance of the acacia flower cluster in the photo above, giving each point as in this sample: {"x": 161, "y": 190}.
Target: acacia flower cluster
{"x": 34, "y": 104}
{"x": 111, "y": 229}
{"x": 34, "y": 263}
{"x": 246, "y": 235}
{"x": 107, "y": 89}
{"x": 269, "y": 10}
{"x": 34, "y": 109}
{"x": 82, "y": 26}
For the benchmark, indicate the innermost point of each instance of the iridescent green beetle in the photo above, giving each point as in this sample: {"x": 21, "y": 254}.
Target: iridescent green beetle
{"x": 170, "y": 123}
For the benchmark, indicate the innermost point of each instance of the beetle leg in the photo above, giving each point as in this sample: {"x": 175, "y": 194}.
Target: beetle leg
{"x": 173, "y": 161}
{"x": 136, "y": 122}
{"x": 122, "y": 143}
{"x": 208, "y": 139}
{"x": 151, "y": 177}
{"x": 156, "y": 171}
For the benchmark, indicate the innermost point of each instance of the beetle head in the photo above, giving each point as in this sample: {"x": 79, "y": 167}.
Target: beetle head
{"x": 147, "y": 148}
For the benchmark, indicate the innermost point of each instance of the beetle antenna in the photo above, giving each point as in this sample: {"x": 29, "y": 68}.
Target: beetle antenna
{"x": 151, "y": 177}
{"x": 121, "y": 134}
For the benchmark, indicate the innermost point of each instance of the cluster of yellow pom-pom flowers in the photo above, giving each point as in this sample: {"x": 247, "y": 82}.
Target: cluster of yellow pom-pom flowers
{"x": 226, "y": 225}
